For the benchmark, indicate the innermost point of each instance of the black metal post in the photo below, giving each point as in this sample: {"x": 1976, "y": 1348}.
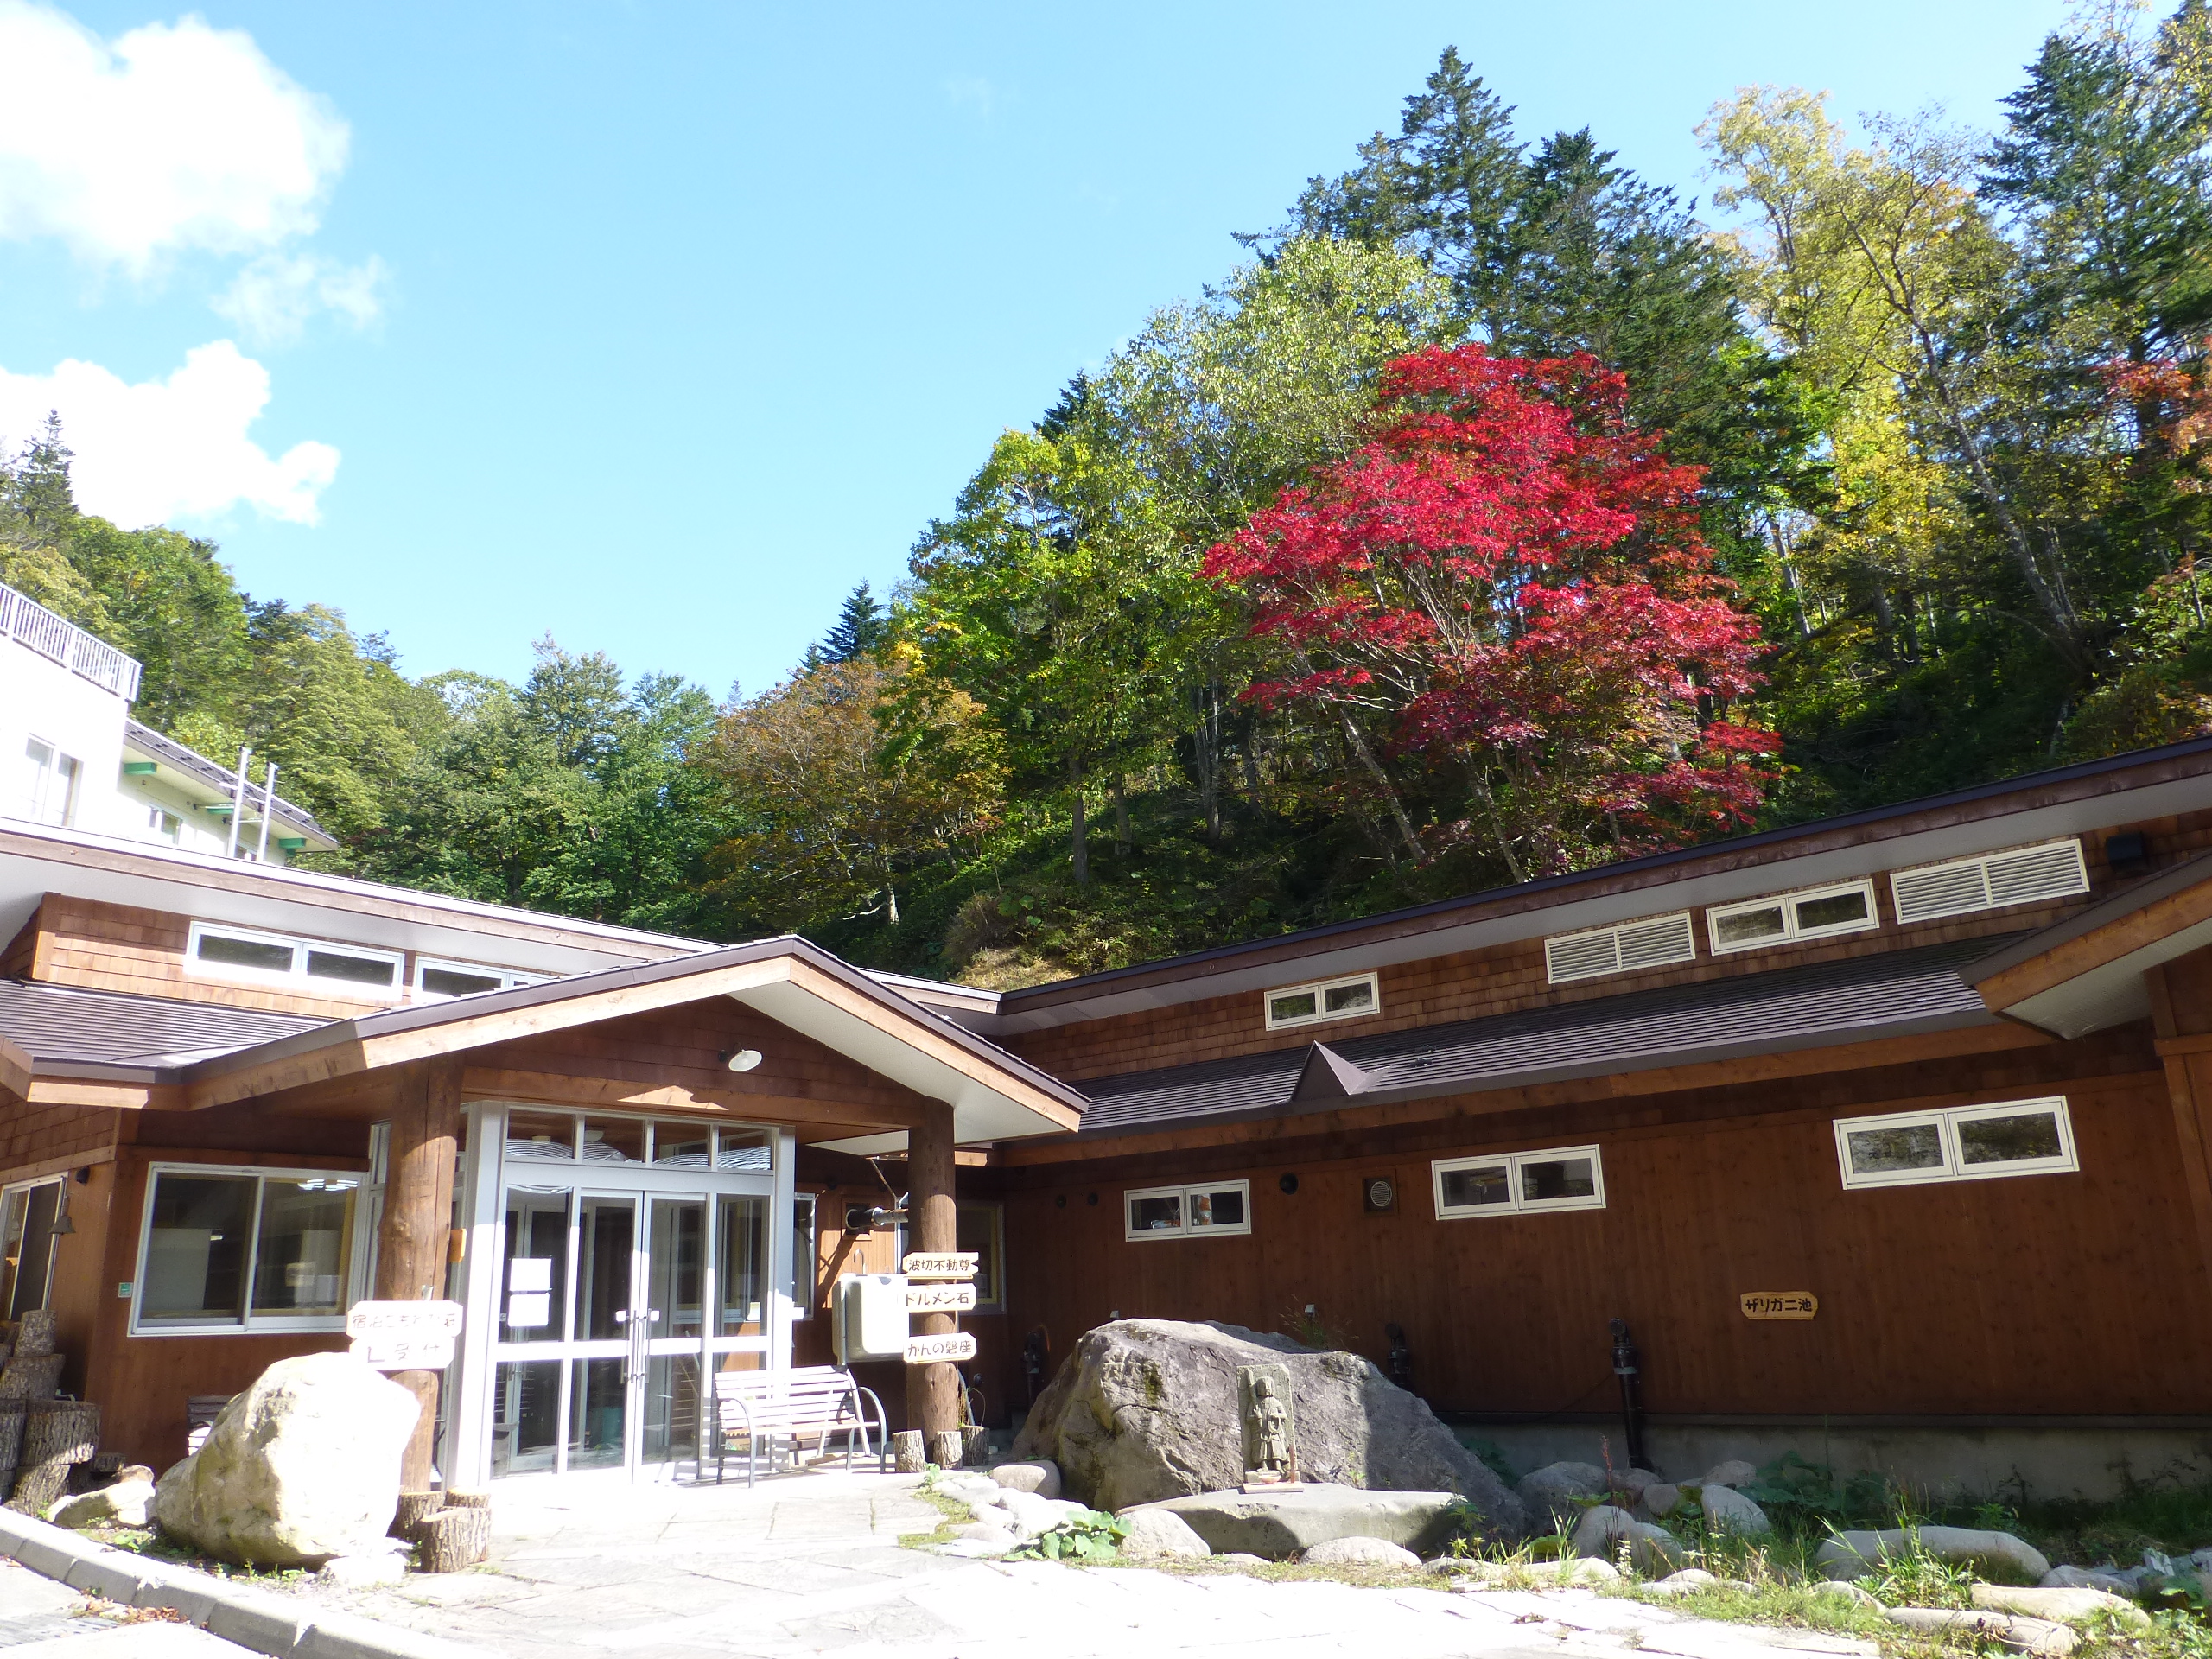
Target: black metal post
{"x": 1625, "y": 1368}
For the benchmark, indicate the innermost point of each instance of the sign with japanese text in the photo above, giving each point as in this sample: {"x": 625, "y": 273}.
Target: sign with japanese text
{"x": 935, "y": 1350}
{"x": 403, "y": 1336}
{"x": 1779, "y": 1304}
{"x": 942, "y": 1264}
{"x": 942, "y": 1297}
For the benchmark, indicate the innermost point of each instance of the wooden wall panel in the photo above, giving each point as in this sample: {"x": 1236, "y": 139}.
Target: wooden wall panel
{"x": 2068, "y": 1294}
{"x": 1504, "y": 978}
{"x": 33, "y": 1137}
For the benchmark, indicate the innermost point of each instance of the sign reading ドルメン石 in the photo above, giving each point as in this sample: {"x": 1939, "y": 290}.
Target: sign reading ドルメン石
{"x": 1779, "y": 1304}
{"x": 944, "y": 1296}
{"x": 403, "y": 1336}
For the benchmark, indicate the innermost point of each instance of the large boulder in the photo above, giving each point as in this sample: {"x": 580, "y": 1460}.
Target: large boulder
{"x": 1148, "y": 1409}
{"x": 301, "y": 1468}
{"x": 1550, "y": 1494}
{"x": 1859, "y": 1554}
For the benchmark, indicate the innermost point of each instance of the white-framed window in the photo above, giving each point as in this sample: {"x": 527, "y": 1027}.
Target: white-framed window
{"x": 1967, "y": 1143}
{"x": 1813, "y": 913}
{"x": 806, "y": 1256}
{"x": 166, "y": 825}
{"x": 1351, "y": 998}
{"x": 437, "y": 981}
{"x": 2050, "y": 870}
{"x": 227, "y": 1249}
{"x": 1651, "y": 943}
{"x": 1202, "y": 1210}
{"x": 50, "y": 783}
{"x": 982, "y": 1228}
{"x": 221, "y": 951}
{"x": 29, "y": 1213}
{"x": 1519, "y": 1183}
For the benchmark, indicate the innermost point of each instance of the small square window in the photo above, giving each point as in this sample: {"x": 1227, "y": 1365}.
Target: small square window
{"x": 1815, "y": 913}
{"x": 1475, "y": 1187}
{"x": 382, "y": 972}
{"x": 1749, "y": 926}
{"x": 261, "y": 955}
{"x": 1160, "y": 1214}
{"x": 1289, "y": 1010}
{"x": 1215, "y": 1208}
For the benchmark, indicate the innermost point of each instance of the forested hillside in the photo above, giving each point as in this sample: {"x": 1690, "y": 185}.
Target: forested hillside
{"x": 1502, "y": 513}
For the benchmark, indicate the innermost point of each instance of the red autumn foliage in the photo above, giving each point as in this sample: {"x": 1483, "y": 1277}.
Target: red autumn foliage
{"x": 1512, "y": 573}
{"x": 2174, "y": 408}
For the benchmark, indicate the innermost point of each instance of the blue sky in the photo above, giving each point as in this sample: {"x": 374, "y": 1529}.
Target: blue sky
{"x": 656, "y": 327}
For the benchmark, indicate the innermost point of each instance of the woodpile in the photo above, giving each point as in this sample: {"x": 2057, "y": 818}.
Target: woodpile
{"x": 42, "y": 1438}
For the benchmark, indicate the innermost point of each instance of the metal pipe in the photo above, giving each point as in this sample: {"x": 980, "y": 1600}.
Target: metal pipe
{"x": 1626, "y": 1368}
{"x": 238, "y": 806}
{"x": 268, "y": 811}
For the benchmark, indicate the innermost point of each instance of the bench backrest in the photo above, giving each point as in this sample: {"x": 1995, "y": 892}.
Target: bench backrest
{"x": 808, "y": 1394}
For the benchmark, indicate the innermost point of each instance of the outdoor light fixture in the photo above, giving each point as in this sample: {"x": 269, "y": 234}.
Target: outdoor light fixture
{"x": 741, "y": 1059}
{"x": 61, "y": 1222}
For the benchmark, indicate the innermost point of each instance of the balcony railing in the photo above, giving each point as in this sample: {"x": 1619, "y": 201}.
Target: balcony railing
{"x": 29, "y": 623}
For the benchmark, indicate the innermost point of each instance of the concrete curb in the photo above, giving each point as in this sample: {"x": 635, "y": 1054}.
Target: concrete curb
{"x": 277, "y": 1625}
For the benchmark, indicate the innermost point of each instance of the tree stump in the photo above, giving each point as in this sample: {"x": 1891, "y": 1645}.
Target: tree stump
{"x": 414, "y": 1508}
{"x": 463, "y": 1500}
{"x": 11, "y": 1436}
{"x": 453, "y": 1539}
{"x": 36, "y": 1486}
{"x": 976, "y": 1447}
{"x": 34, "y": 1378}
{"x": 945, "y": 1450}
{"x": 34, "y": 1334}
{"x": 906, "y": 1452}
{"x": 60, "y": 1431}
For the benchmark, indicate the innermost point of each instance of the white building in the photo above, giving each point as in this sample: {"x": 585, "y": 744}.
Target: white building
{"x": 72, "y": 756}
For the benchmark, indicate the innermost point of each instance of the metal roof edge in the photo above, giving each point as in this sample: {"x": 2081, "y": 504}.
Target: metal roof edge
{"x": 138, "y": 734}
{"x": 2139, "y": 895}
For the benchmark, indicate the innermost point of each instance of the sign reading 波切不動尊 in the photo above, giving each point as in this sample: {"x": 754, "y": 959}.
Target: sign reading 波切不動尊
{"x": 942, "y": 1264}
{"x": 403, "y": 1336}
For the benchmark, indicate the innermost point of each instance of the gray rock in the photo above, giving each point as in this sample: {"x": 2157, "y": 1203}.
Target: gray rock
{"x": 1156, "y": 1534}
{"x": 300, "y": 1469}
{"x": 1032, "y": 1515}
{"x": 1281, "y": 1524}
{"x": 970, "y": 1489}
{"x": 1242, "y": 1563}
{"x": 1548, "y": 1494}
{"x": 2022, "y": 1635}
{"x": 1359, "y": 1552}
{"x": 1602, "y": 1530}
{"x": 1734, "y": 1472}
{"x": 1855, "y": 1554}
{"x": 1728, "y": 1510}
{"x": 1592, "y": 1574}
{"x": 1147, "y": 1409}
{"x": 2088, "y": 1578}
{"x": 1848, "y": 1592}
{"x": 1629, "y": 1485}
{"x": 1683, "y": 1583}
{"x": 1041, "y": 1478}
{"x": 358, "y": 1572}
{"x": 1659, "y": 1499}
{"x": 127, "y": 1503}
{"x": 2064, "y": 1605}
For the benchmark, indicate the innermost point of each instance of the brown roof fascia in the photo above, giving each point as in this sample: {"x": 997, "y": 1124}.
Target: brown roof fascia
{"x": 2141, "y": 915}
{"x": 395, "y": 1036}
{"x": 2085, "y": 781}
{"x": 15, "y": 1072}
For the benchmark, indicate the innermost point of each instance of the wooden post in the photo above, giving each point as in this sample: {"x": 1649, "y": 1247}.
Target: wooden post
{"x": 932, "y": 1391}
{"x": 417, "y": 1222}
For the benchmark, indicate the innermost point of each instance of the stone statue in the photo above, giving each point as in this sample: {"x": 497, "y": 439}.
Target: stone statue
{"x": 1270, "y": 1437}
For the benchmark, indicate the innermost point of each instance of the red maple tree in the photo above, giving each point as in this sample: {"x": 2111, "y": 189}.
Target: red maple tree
{"x": 1511, "y": 574}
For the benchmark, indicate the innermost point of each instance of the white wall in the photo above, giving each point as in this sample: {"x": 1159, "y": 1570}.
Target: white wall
{"x": 42, "y": 699}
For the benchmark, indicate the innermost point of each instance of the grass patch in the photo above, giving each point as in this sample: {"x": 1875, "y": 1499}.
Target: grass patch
{"x": 952, "y": 1513}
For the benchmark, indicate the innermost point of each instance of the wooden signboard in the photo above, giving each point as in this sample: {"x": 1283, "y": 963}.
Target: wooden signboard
{"x": 944, "y": 1296}
{"x": 934, "y": 1351}
{"x": 403, "y": 1336}
{"x": 942, "y": 1264}
{"x": 1779, "y": 1304}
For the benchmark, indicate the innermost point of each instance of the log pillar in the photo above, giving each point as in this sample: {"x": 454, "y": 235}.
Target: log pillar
{"x": 411, "y": 1241}
{"x": 932, "y": 1391}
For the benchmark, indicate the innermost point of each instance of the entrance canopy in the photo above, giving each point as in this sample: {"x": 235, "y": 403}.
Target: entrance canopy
{"x": 809, "y": 1011}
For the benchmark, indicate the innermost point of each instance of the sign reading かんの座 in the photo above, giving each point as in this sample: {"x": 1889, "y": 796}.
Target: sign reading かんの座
{"x": 953, "y": 1346}
{"x": 1779, "y": 1304}
{"x": 942, "y": 1264}
{"x": 403, "y": 1336}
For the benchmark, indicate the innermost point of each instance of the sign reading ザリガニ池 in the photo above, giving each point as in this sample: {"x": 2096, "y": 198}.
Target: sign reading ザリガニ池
{"x": 1779, "y": 1304}
{"x": 403, "y": 1336}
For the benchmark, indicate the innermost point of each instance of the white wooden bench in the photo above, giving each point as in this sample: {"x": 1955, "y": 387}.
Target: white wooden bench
{"x": 819, "y": 1401}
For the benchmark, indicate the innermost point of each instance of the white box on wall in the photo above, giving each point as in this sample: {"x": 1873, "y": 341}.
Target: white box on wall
{"x": 870, "y": 1317}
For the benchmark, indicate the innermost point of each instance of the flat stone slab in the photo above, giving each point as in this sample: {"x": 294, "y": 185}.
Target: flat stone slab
{"x": 1280, "y": 1524}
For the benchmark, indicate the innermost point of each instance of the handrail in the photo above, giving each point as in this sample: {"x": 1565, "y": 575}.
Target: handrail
{"x": 24, "y": 619}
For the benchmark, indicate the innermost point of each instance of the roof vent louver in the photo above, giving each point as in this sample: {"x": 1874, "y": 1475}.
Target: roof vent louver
{"x": 1648, "y": 944}
{"x": 2052, "y": 870}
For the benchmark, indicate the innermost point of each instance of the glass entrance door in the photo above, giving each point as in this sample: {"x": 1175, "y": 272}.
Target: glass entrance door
{"x": 620, "y": 1292}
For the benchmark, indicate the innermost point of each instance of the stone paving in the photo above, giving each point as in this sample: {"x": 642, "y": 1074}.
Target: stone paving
{"x": 41, "y": 1619}
{"x": 811, "y": 1564}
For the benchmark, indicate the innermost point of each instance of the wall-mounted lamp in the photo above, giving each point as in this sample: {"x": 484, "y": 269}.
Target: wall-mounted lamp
{"x": 61, "y": 1222}
{"x": 741, "y": 1059}
{"x": 862, "y": 1219}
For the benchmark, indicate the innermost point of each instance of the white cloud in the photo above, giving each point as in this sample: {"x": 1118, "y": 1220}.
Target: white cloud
{"x": 166, "y": 449}
{"x": 272, "y": 298}
{"x": 171, "y": 137}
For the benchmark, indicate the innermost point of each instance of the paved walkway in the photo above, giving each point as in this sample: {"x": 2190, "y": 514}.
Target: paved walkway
{"x": 41, "y": 1619}
{"x": 810, "y": 1564}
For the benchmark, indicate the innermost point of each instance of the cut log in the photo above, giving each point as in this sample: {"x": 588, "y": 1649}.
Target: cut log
{"x": 454, "y": 1540}
{"x": 60, "y": 1431}
{"x": 464, "y": 1500}
{"x": 37, "y": 1485}
{"x": 34, "y": 1378}
{"x": 976, "y": 1447}
{"x": 414, "y": 1508}
{"x": 906, "y": 1453}
{"x": 11, "y": 1436}
{"x": 34, "y": 1334}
